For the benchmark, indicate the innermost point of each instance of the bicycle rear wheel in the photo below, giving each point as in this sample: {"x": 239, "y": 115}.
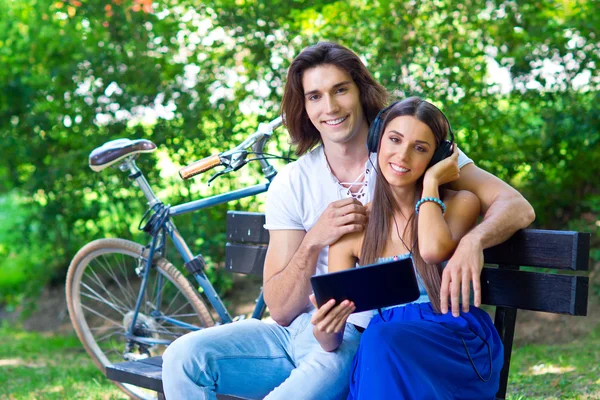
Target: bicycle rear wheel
{"x": 103, "y": 283}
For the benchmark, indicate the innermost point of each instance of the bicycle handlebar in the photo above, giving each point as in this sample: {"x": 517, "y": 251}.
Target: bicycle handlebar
{"x": 199, "y": 166}
{"x": 237, "y": 154}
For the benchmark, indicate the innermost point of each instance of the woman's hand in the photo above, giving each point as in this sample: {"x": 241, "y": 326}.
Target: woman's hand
{"x": 330, "y": 318}
{"x": 444, "y": 171}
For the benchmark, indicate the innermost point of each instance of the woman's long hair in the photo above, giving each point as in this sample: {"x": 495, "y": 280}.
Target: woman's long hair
{"x": 373, "y": 96}
{"x": 382, "y": 221}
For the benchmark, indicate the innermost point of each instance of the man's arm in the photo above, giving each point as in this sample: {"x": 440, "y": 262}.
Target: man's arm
{"x": 504, "y": 210}
{"x": 289, "y": 264}
{"x": 292, "y": 257}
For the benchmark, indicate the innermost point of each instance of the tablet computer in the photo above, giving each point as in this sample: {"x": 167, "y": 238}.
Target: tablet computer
{"x": 369, "y": 287}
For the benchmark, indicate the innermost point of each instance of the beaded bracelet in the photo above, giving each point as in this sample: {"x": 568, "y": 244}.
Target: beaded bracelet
{"x": 433, "y": 199}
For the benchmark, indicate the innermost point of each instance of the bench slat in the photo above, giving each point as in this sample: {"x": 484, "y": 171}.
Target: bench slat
{"x": 562, "y": 294}
{"x": 528, "y": 247}
{"x": 146, "y": 373}
{"x": 246, "y": 227}
{"x": 143, "y": 373}
{"x": 245, "y": 259}
{"x": 544, "y": 249}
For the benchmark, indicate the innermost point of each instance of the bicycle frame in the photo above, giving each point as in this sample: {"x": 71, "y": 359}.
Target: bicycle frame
{"x": 183, "y": 249}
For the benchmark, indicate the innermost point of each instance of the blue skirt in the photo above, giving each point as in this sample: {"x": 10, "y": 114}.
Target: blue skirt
{"x": 415, "y": 353}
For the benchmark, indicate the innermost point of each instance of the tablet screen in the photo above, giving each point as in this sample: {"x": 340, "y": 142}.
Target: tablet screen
{"x": 369, "y": 287}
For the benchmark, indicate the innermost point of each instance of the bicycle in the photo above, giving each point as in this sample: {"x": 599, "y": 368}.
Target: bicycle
{"x": 126, "y": 301}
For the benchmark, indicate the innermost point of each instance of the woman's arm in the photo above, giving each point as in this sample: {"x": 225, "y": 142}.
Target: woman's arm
{"x": 438, "y": 233}
{"x": 344, "y": 253}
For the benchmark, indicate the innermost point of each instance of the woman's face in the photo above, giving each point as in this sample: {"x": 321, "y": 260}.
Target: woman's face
{"x": 407, "y": 146}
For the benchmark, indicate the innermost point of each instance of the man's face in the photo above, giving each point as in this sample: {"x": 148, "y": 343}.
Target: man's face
{"x": 332, "y": 102}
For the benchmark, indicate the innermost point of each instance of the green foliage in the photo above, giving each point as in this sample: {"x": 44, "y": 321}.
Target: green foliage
{"x": 16, "y": 256}
{"x": 76, "y": 74}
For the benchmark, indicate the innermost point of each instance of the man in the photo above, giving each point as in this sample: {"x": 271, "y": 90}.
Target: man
{"x": 330, "y": 98}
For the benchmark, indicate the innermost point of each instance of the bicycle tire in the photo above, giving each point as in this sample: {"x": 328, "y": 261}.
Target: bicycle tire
{"x": 92, "y": 278}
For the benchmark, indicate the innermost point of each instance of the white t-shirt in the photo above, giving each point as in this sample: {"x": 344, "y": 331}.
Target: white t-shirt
{"x": 303, "y": 189}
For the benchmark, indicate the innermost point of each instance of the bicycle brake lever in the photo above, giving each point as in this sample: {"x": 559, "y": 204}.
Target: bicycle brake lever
{"x": 218, "y": 174}
{"x": 233, "y": 162}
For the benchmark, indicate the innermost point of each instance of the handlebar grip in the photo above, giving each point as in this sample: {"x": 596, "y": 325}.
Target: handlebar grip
{"x": 199, "y": 166}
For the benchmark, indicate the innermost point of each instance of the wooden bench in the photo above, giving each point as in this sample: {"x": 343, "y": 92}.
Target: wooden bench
{"x": 554, "y": 280}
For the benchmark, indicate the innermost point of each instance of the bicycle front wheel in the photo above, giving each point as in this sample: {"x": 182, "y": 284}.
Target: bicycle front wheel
{"x": 103, "y": 283}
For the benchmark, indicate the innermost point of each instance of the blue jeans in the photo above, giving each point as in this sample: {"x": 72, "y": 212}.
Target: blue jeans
{"x": 255, "y": 360}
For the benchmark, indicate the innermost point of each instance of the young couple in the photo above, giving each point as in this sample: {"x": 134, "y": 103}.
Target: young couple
{"x": 416, "y": 351}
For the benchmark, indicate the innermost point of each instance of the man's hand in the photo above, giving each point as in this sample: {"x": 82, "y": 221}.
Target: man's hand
{"x": 444, "y": 171}
{"x": 331, "y": 318}
{"x": 463, "y": 268}
{"x": 339, "y": 218}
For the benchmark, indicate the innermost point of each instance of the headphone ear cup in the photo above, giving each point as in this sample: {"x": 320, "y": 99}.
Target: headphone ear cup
{"x": 375, "y": 129}
{"x": 373, "y": 137}
{"x": 448, "y": 149}
{"x": 443, "y": 151}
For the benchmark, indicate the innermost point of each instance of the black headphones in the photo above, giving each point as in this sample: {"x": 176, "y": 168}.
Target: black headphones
{"x": 444, "y": 150}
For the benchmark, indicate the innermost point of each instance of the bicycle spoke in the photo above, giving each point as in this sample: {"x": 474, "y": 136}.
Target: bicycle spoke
{"x": 171, "y": 303}
{"x": 100, "y": 315}
{"x": 123, "y": 268}
{"x": 103, "y": 338}
{"x": 107, "y": 328}
{"x": 101, "y": 299}
{"x": 164, "y": 332}
{"x": 169, "y": 330}
{"x": 106, "y": 266}
{"x": 107, "y": 290}
{"x": 176, "y": 311}
{"x": 99, "y": 283}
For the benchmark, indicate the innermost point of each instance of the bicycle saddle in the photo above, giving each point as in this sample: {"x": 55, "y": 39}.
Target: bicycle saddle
{"x": 116, "y": 150}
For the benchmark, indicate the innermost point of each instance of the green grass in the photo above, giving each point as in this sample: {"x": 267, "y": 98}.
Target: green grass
{"x": 47, "y": 366}
{"x": 566, "y": 371}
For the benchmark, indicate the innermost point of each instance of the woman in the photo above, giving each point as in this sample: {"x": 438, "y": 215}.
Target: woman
{"x": 413, "y": 351}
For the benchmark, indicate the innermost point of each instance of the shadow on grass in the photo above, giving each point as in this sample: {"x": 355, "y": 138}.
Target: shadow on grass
{"x": 46, "y": 366}
{"x": 566, "y": 371}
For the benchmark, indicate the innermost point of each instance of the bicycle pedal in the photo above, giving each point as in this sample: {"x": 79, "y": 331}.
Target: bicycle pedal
{"x": 239, "y": 318}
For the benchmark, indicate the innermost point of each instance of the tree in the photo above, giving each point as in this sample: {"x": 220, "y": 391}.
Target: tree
{"x": 76, "y": 74}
